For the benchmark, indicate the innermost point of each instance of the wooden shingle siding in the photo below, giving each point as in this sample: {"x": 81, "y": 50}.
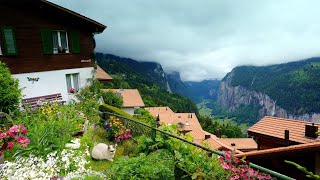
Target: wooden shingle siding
{"x": 28, "y": 24}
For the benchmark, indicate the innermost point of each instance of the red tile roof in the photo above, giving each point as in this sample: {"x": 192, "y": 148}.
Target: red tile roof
{"x": 131, "y": 97}
{"x": 190, "y": 123}
{"x": 101, "y": 75}
{"x": 275, "y": 127}
{"x": 300, "y": 148}
{"x": 240, "y": 143}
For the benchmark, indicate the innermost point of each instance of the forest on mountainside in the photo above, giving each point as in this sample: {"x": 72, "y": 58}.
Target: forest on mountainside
{"x": 295, "y": 86}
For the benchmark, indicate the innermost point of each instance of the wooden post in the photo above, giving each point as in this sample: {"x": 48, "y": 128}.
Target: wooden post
{"x": 286, "y": 138}
{"x": 317, "y": 163}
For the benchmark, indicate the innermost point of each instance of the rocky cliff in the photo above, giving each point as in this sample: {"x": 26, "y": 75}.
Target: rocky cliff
{"x": 231, "y": 97}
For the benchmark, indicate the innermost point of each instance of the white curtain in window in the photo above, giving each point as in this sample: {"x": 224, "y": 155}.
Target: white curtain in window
{"x": 63, "y": 38}
{"x": 68, "y": 78}
{"x": 55, "y": 41}
{"x": 76, "y": 81}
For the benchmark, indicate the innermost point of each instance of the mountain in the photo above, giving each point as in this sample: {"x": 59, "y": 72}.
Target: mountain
{"x": 148, "y": 77}
{"x": 153, "y": 71}
{"x": 289, "y": 90}
{"x": 197, "y": 91}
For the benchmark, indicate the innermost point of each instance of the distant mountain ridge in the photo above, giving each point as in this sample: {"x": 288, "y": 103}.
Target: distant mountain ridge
{"x": 153, "y": 71}
{"x": 289, "y": 90}
{"x": 197, "y": 91}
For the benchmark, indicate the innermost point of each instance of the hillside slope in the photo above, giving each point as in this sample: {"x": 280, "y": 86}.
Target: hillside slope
{"x": 290, "y": 90}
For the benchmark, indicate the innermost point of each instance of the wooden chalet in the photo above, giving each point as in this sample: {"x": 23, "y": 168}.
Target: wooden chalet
{"x": 49, "y": 48}
{"x": 272, "y": 132}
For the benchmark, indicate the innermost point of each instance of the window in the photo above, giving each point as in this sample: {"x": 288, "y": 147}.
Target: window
{"x": 72, "y": 82}
{"x": 0, "y": 51}
{"x": 9, "y": 40}
{"x": 55, "y": 42}
{"x": 60, "y": 42}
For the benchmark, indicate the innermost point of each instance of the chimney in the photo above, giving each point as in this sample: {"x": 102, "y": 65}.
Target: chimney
{"x": 207, "y": 136}
{"x": 286, "y": 138}
{"x": 218, "y": 133}
{"x": 311, "y": 130}
{"x": 166, "y": 108}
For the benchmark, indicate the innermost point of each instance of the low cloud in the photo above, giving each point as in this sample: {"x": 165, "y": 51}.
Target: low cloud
{"x": 205, "y": 39}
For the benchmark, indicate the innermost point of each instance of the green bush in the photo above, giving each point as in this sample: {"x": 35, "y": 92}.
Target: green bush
{"x": 10, "y": 93}
{"x": 115, "y": 110}
{"x": 89, "y": 101}
{"x": 158, "y": 165}
{"x": 50, "y": 128}
{"x": 112, "y": 99}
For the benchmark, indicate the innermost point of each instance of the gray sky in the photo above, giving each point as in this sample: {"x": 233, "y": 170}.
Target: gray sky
{"x": 205, "y": 39}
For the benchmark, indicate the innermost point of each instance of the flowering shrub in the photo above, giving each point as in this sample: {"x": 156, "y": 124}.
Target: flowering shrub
{"x": 116, "y": 130}
{"x": 69, "y": 164}
{"x": 240, "y": 169}
{"x": 13, "y": 136}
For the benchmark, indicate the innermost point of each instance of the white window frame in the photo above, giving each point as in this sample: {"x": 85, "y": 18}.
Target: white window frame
{"x": 56, "y": 51}
{"x": 72, "y": 76}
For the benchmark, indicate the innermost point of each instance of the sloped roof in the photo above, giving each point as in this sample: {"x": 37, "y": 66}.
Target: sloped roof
{"x": 131, "y": 97}
{"x": 159, "y": 110}
{"x": 275, "y": 127}
{"x": 99, "y": 27}
{"x": 240, "y": 143}
{"x": 101, "y": 75}
{"x": 300, "y": 148}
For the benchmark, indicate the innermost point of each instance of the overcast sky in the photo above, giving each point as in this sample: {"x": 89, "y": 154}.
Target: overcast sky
{"x": 205, "y": 39}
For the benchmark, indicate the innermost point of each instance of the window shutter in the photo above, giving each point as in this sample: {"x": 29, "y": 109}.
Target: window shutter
{"x": 75, "y": 42}
{"x": 47, "y": 44}
{"x": 9, "y": 39}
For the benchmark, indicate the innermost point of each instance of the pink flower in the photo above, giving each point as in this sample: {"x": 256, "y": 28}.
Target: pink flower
{"x": 71, "y": 90}
{"x": 11, "y": 134}
{"x": 3, "y": 135}
{"x": 268, "y": 176}
{"x": 14, "y": 129}
{"x": 24, "y": 130}
{"x": 226, "y": 166}
{"x": 128, "y": 131}
{"x": 10, "y": 145}
{"x": 227, "y": 155}
{"x": 23, "y": 141}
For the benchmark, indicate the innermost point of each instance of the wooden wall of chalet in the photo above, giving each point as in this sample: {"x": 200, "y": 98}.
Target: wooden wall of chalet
{"x": 278, "y": 164}
{"x": 28, "y": 24}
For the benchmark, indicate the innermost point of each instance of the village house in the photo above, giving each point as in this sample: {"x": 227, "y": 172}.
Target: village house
{"x": 188, "y": 123}
{"x": 48, "y": 48}
{"x": 281, "y": 139}
{"x": 131, "y": 99}
{"x": 272, "y": 132}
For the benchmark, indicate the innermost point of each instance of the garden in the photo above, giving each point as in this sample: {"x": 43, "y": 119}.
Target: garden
{"x": 58, "y": 142}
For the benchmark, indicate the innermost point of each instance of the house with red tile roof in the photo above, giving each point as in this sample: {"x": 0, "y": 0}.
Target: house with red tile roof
{"x": 273, "y": 132}
{"x": 131, "y": 99}
{"x": 188, "y": 123}
{"x": 102, "y": 76}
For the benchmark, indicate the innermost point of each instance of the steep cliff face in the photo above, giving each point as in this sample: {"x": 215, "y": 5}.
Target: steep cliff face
{"x": 232, "y": 97}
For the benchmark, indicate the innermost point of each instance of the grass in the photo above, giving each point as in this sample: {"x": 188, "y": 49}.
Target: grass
{"x": 98, "y": 135}
{"x": 203, "y": 109}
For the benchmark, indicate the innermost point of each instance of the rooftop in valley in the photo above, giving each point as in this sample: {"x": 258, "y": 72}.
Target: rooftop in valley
{"x": 274, "y": 127}
{"x": 131, "y": 97}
